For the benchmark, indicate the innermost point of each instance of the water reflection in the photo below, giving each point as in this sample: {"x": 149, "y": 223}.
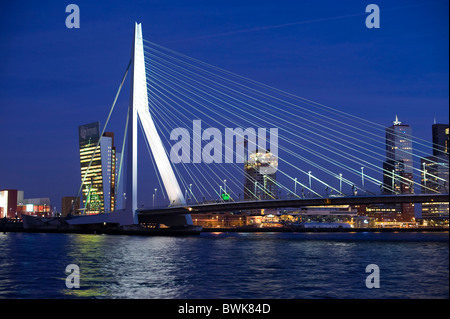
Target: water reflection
{"x": 223, "y": 265}
{"x": 127, "y": 267}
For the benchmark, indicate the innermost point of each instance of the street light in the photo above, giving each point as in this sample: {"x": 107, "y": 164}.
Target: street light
{"x": 265, "y": 183}
{"x": 309, "y": 176}
{"x": 393, "y": 179}
{"x": 225, "y": 185}
{"x": 424, "y": 175}
{"x": 362, "y": 176}
{"x": 340, "y": 183}
{"x": 295, "y": 186}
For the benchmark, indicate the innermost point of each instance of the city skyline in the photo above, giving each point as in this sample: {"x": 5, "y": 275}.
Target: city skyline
{"x": 76, "y": 82}
{"x": 224, "y": 151}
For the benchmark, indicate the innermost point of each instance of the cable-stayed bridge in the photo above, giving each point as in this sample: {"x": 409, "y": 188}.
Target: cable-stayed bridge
{"x": 209, "y": 133}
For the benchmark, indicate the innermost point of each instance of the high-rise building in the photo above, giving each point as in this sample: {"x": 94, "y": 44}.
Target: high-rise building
{"x": 440, "y": 134}
{"x": 398, "y": 167}
{"x": 399, "y": 145}
{"x": 98, "y": 164}
{"x": 435, "y": 175}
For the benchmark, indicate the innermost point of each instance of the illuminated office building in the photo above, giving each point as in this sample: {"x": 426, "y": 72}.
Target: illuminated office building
{"x": 98, "y": 164}
{"x": 399, "y": 144}
{"x": 398, "y": 168}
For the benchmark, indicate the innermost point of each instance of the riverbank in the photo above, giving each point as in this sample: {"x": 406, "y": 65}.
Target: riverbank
{"x": 324, "y": 229}
{"x": 100, "y": 229}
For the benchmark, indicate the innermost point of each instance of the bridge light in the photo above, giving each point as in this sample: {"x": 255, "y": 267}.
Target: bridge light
{"x": 309, "y": 177}
{"x": 362, "y": 176}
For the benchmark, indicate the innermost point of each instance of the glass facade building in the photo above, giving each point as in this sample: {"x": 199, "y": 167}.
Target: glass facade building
{"x": 98, "y": 163}
{"x": 398, "y": 167}
{"x": 398, "y": 175}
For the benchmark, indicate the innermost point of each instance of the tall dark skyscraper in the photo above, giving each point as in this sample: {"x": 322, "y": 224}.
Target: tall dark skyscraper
{"x": 435, "y": 175}
{"x": 440, "y": 134}
{"x": 398, "y": 167}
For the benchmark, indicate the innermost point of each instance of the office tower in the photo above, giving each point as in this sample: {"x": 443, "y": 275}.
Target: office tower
{"x": 98, "y": 163}
{"x": 398, "y": 167}
{"x": 435, "y": 175}
{"x": 440, "y": 135}
{"x": 399, "y": 145}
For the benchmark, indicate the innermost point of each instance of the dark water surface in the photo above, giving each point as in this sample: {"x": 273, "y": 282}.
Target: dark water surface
{"x": 221, "y": 265}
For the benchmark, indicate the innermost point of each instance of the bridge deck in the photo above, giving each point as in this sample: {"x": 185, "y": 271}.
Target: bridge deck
{"x": 284, "y": 203}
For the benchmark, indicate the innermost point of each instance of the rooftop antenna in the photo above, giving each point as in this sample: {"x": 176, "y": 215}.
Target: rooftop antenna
{"x": 397, "y": 122}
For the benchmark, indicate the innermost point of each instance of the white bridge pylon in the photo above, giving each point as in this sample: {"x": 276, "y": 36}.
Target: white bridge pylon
{"x": 139, "y": 108}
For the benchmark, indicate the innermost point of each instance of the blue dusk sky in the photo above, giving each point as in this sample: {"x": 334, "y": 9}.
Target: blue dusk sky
{"x": 53, "y": 79}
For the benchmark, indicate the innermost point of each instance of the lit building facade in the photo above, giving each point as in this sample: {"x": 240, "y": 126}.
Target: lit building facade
{"x": 39, "y": 207}
{"x": 8, "y": 202}
{"x": 398, "y": 167}
{"x": 398, "y": 175}
{"x": 260, "y": 176}
{"x": 14, "y": 205}
{"x": 98, "y": 165}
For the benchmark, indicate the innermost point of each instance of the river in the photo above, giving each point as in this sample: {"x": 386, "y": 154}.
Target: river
{"x": 225, "y": 265}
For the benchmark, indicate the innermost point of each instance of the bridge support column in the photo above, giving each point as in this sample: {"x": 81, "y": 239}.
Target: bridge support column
{"x": 139, "y": 107}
